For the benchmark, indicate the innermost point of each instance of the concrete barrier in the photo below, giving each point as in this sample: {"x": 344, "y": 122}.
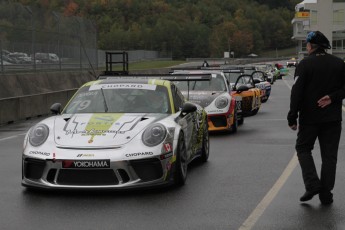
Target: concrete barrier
{"x": 26, "y": 95}
{"x": 23, "y": 84}
{"x": 26, "y": 107}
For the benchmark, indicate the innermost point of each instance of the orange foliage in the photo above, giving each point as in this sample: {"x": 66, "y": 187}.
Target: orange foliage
{"x": 71, "y": 8}
{"x": 45, "y": 3}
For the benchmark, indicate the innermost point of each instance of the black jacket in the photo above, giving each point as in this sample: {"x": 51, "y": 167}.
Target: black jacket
{"x": 317, "y": 75}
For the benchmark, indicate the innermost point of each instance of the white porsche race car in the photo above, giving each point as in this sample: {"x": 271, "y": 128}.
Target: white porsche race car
{"x": 116, "y": 134}
{"x": 223, "y": 109}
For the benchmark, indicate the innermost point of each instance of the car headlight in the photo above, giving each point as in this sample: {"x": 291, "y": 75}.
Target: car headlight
{"x": 221, "y": 102}
{"x": 154, "y": 135}
{"x": 38, "y": 135}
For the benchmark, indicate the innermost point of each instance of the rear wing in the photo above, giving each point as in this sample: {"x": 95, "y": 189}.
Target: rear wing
{"x": 168, "y": 77}
{"x": 185, "y": 68}
{"x": 189, "y": 78}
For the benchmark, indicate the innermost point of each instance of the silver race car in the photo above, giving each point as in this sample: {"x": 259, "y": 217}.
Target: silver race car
{"x": 116, "y": 133}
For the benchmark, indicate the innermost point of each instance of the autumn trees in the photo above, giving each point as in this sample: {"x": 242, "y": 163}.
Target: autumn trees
{"x": 185, "y": 28}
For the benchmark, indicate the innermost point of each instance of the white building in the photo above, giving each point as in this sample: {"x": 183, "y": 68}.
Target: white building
{"x": 327, "y": 16}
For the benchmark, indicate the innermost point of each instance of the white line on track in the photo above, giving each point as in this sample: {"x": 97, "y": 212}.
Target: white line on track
{"x": 7, "y": 138}
{"x": 265, "y": 202}
{"x": 287, "y": 84}
{"x": 262, "y": 119}
{"x": 259, "y": 210}
{"x": 11, "y": 137}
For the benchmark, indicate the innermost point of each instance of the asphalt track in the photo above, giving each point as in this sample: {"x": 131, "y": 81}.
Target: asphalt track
{"x": 251, "y": 181}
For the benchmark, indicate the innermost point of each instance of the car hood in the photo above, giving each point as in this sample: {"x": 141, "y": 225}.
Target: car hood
{"x": 203, "y": 98}
{"x": 101, "y": 129}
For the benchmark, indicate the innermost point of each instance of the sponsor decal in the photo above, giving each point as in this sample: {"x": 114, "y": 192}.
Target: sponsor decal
{"x": 165, "y": 156}
{"x": 215, "y": 111}
{"x": 167, "y": 147}
{"x": 122, "y": 86}
{"x": 93, "y": 132}
{"x": 97, "y": 125}
{"x": 86, "y": 164}
{"x": 86, "y": 155}
{"x": 139, "y": 154}
{"x": 39, "y": 153}
{"x": 100, "y": 124}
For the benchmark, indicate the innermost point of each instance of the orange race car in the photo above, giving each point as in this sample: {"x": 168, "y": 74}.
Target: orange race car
{"x": 251, "y": 98}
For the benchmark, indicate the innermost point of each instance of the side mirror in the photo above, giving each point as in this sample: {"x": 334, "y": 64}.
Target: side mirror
{"x": 242, "y": 88}
{"x": 55, "y": 108}
{"x": 188, "y": 108}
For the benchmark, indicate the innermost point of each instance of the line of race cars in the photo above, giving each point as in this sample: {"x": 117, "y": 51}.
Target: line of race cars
{"x": 134, "y": 131}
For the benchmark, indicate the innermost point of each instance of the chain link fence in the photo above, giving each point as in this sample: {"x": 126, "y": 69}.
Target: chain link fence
{"x": 33, "y": 38}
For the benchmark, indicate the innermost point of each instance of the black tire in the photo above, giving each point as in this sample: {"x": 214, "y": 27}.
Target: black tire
{"x": 255, "y": 111}
{"x": 181, "y": 166}
{"x": 205, "y": 149}
{"x": 241, "y": 121}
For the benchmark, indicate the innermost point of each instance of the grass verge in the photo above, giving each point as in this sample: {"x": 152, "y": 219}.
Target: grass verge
{"x": 151, "y": 65}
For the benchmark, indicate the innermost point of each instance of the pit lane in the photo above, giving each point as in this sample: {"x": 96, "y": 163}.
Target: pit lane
{"x": 221, "y": 194}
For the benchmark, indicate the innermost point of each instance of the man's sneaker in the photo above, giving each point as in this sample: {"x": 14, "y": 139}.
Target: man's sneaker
{"x": 308, "y": 195}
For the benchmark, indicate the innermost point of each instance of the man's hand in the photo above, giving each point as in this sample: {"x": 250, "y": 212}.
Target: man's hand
{"x": 293, "y": 127}
{"x": 324, "y": 101}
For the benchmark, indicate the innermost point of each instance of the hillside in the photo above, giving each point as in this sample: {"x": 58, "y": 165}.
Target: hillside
{"x": 188, "y": 28}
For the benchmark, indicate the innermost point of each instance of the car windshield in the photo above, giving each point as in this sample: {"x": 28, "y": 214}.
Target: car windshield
{"x": 216, "y": 83}
{"x": 245, "y": 80}
{"x": 120, "y": 98}
{"x": 259, "y": 75}
{"x": 232, "y": 77}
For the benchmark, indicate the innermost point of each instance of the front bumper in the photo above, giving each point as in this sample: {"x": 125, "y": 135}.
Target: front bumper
{"x": 220, "y": 122}
{"x": 138, "y": 173}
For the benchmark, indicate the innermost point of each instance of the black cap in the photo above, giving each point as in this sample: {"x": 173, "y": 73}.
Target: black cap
{"x": 318, "y": 38}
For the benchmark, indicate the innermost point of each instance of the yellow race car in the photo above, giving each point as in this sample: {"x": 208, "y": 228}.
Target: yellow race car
{"x": 251, "y": 98}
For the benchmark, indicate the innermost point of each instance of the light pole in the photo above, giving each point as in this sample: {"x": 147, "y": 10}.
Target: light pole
{"x": 27, "y": 8}
{"x": 2, "y": 61}
{"x": 58, "y": 19}
{"x": 80, "y": 45}
{"x": 229, "y": 43}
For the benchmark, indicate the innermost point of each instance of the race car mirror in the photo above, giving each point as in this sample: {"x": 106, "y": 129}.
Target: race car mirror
{"x": 188, "y": 108}
{"x": 256, "y": 81}
{"x": 242, "y": 88}
{"x": 55, "y": 108}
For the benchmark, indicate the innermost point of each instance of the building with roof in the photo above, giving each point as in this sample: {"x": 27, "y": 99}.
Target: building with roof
{"x": 327, "y": 16}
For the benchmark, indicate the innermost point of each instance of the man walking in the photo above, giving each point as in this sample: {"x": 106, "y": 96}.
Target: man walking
{"x": 316, "y": 99}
